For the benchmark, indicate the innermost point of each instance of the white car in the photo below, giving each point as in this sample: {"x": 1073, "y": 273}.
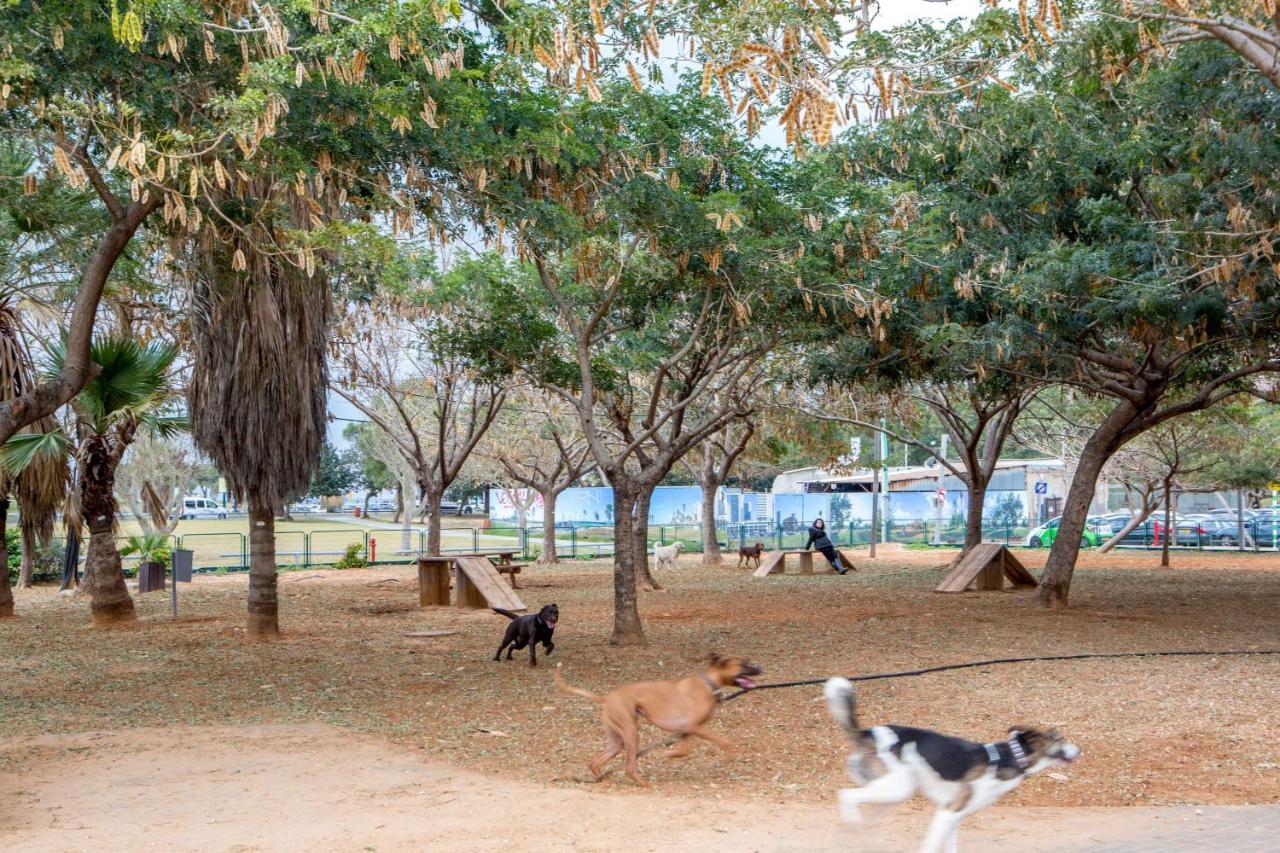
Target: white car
{"x": 194, "y": 507}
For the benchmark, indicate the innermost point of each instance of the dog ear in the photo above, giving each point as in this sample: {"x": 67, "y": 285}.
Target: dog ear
{"x": 714, "y": 658}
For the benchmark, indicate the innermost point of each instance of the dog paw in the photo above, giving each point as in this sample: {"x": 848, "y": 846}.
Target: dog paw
{"x": 848, "y": 800}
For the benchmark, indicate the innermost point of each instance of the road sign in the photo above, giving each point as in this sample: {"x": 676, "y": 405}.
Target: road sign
{"x": 1275, "y": 487}
{"x": 1042, "y": 487}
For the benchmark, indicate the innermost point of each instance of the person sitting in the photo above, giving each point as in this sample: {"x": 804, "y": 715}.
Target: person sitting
{"x": 818, "y": 539}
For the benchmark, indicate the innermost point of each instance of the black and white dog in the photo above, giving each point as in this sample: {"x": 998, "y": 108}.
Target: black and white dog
{"x": 529, "y": 630}
{"x": 892, "y": 762}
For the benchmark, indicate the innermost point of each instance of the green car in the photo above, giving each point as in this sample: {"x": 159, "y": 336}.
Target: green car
{"x": 1047, "y": 532}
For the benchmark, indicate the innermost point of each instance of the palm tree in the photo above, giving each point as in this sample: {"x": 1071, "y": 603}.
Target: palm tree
{"x": 129, "y": 393}
{"x": 257, "y": 394}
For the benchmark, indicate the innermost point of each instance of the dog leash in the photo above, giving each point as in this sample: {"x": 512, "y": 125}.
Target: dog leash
{"x": 909, "y": 673}
{"x": 995, "y": 661}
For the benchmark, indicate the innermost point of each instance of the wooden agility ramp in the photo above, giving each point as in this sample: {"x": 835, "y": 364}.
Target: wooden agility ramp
{"x": 773, "y": 562}
{"x": 985, "y": 568}
{"x": 477, "y": 584}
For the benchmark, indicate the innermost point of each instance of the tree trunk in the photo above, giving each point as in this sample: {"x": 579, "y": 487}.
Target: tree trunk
{"x": 1169, "y": 533}
{"x": 627, "y": 630}
{"x": 640, "y": 539}
{"x": 431, "y": 511}
{"x": 6, "y": 590}
{"x": 1055, "y": 582}
{"x": 264, "y": 603}
{"x": 364, "y": 513}
{"x": 711, "y": 555}
{"x": 973, "y": 513}
{"x": 549, "y": 554}
{"x": 110, "y": 602}
{"x": 28, "y": 556}
{"x": 404, "y": 517}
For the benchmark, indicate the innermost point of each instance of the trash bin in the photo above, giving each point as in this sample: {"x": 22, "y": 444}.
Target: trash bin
{"x": 181, "y": 561}
{"x": 150, "y": 576}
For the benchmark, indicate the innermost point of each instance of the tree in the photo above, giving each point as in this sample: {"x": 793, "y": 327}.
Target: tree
{"x": 372, "y": 474}
{"x": 39, "y": 486}
{"x": 130, "y": 391}
{"x": 711, "y": 463}
{"x": 654, "y": 233}
{"x": 1122, "y": 256}
{"x": 153, "y": 478}
{"x": 336, "y": 474}
{"x": 405, "y": 374}
{"x": 537, "y": 444}
{"x": 1248, "y": 27}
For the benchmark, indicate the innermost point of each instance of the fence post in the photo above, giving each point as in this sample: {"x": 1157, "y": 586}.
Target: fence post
{"x": 368, "y": 555}
{"x": 573, "y": 541}
{"x": 306, "y": 549}
{"x": 524, "y": 543}
{"x": 475, "y": 539}
{"x": 244, "y": 552}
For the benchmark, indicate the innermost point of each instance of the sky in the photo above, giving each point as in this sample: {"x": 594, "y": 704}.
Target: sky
{"x": 892, "y": 13}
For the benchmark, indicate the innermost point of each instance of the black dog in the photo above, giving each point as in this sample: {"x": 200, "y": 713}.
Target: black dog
{"x": 529, "y": 630}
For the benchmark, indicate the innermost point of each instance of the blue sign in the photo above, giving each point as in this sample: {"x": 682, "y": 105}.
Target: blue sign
{"x": 1042, "y": 488}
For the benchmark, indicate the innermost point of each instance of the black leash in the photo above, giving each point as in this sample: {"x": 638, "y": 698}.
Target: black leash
{"x": 908, "y": 673}
{"x": 993, "y": 661}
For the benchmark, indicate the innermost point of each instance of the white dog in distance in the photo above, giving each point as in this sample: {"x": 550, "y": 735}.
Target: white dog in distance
{"x": 666, "y": 555}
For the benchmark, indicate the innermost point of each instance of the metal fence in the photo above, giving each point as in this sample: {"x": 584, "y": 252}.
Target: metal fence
{"x": 229, "y": 552}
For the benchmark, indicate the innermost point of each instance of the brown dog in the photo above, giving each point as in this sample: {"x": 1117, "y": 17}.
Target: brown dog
{"x": 749, "y": 553}
{"x": 684, "y": 706}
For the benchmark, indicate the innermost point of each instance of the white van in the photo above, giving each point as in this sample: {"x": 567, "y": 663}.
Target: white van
{"x": 195, "y": 507}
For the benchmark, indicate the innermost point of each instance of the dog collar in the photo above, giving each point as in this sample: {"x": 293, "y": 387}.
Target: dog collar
{"x": 993, "y": 753}
{"x": 715, "y": 691}
{"x": 1019, "y": 754}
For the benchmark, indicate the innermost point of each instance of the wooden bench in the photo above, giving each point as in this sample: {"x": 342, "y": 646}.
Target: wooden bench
{"x": 471, "y": 587}
{"x": 775, "y": 562}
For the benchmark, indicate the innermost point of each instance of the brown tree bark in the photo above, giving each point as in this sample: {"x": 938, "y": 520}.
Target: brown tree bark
{"x": 6, "y": 589}
{"x": 264, "y": 604}
{"x": 28, "y": 557}
{"x": 109, "y": 602}
{"x": 1055, "y": 582}
{"x": 627, "y": 630}
{"x": 1169, "y": 532}
{"x": 973, "y": 513}
{"x": 431, "y": 498}
{"x": 711, "y": 555}
{"x": 549, "y": 555}
{"x": 640, "y": 540}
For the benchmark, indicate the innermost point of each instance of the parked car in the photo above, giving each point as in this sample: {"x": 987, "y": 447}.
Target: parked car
{"x": 303, "y": 507}
{"x": 194, "y": 507}
{"x": 383, "y": 505}
{"x": 455, "y": 508}
{"x": 1047, "y": 533}
{"x": 1224, "y": 531}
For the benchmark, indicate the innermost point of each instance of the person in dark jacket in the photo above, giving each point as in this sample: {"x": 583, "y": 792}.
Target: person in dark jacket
{"x": 818, "y": 539}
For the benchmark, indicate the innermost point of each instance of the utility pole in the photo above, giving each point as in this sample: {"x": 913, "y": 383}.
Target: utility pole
{"x": 875, "y": 496}
{"x": 884, "y": 483}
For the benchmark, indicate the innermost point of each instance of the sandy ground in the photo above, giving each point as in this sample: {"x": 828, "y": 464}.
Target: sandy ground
{"x": 318, "y": 788}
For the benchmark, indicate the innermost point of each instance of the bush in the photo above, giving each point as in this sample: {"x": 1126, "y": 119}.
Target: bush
{"x": 13, "y": 544}
{"x": 353, "y": 559}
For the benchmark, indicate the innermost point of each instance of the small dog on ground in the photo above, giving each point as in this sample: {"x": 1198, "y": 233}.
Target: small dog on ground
{"x": 529, "y": 630}
{"x": 749, "y": 553}
{"x": 684, "y": 706}
{"x": 667, "y": 554}
{"x": 892, "y": 762}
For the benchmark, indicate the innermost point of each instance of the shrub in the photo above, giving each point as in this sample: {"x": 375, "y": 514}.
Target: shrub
{"x": 13, "y": 544}
{"x": 353, "y": 559}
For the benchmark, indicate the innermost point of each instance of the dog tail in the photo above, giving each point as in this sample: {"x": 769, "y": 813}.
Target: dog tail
{"x": 506, "y": 613}
{"x": 842, "y": 705}
{"x": 575, "y": 691}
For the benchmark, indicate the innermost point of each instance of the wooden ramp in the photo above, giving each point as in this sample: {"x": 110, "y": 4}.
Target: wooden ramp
{"x": 987, "y": 566}
{"x": 478, "y": 584}
{"x": 772, "y": 563}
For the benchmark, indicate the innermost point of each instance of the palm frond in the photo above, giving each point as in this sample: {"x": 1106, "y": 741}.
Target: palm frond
{"x": 26, "y": 448}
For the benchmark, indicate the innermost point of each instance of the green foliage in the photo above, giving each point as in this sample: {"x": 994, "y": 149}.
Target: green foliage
{"x": 132, "y": 384}
{"x": 150, "y": 548}
{"x": 353, "y": 558}
{"x": 338, "y": 472}
{"x": 13, "y": 548}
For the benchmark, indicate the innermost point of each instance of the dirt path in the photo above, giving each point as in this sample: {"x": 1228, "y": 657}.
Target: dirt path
{"x": 319, "y": 788}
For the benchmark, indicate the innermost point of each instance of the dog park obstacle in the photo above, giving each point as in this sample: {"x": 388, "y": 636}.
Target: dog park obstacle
{"x": 476, "y": 580}
{"x": 987, "y": 566}
{"x": 478, "y": 585}
{"x": 776, "y": 563}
